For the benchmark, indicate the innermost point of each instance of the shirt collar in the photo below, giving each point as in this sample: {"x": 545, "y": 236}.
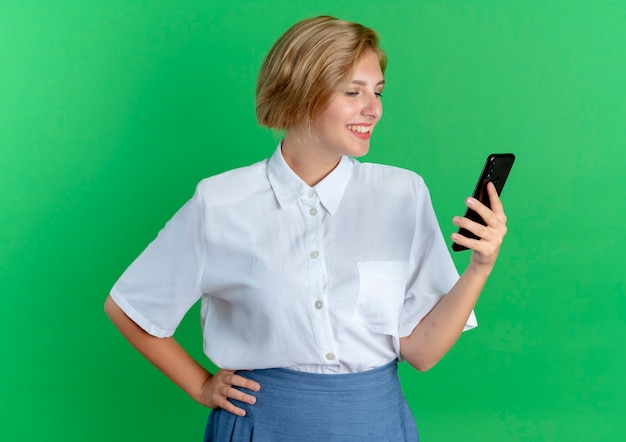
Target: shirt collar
{"x": 289, "y": 187}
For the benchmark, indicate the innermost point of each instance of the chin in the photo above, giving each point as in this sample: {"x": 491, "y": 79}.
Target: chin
{"x": 358, "y": 151}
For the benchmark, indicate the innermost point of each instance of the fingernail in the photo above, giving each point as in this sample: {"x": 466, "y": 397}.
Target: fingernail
{"x": 469, "y": 201}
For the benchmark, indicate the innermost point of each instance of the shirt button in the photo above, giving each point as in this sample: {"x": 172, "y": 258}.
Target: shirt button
{"x": 319, "y": 304}
{"x": 315, "y": 254}
{"x": 313, "y": 211}
{"x": 311, "y": 193}
{"x": 330, "y": 356}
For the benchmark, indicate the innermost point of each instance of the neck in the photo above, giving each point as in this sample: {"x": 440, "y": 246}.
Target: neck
{"x": 308, "y": 159}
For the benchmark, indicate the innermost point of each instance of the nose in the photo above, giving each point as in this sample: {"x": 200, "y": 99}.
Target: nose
{"x": 372, "y": 107}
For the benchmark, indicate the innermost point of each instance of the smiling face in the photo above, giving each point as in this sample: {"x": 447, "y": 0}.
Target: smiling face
{"x": 346, "y": 125}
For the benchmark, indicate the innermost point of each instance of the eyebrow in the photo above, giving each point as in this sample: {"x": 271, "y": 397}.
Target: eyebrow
{"x": 363, "y": 83}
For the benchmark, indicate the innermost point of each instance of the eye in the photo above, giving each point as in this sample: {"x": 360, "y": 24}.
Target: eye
{"x": 351, "y": 93}
{"x": 379, "y": 94}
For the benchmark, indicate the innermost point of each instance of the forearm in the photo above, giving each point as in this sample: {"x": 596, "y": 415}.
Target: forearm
{"x": 164, "y": 353}
{"x": 437, "y": 332}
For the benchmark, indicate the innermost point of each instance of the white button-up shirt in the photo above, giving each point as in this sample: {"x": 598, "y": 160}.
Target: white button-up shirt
{"x": 322, "y": 279}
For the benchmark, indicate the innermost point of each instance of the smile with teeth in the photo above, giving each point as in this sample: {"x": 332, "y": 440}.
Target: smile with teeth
{"x": 359, "y": 129}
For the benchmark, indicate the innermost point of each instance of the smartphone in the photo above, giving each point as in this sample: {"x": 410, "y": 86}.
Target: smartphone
{"x": 496, "y": 170}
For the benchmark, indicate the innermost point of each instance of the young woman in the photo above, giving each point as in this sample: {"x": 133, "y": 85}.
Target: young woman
{"x": 317, "y": 273}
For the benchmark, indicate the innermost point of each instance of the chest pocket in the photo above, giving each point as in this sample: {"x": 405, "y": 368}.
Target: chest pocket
{"x": 381, "y": 295}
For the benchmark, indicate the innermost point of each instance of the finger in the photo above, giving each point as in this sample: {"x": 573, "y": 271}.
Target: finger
{"x": 465, "y": 241}
{"x": 232, "y": 380}
{"x": 489, "y": 217}
{"x": 243, "y": 382}
{"x": 227, "y": 394}
{"x": 231, "y": 408}
{"x": 481, "y": 209}
{"x": 474, "y": 227}
{"x": 489, "y": 239}
{"x": 482, "y": 246}
{"x": 494, "y": 199}
{"x": 240, "y": 396}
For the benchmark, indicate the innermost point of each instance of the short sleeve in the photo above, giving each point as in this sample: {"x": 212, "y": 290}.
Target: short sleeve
{"x": 162, "y": 284}
{"x": 432, "y": 271}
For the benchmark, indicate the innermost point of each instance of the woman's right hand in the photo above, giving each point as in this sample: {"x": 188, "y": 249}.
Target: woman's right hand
{"x": 219, "y": 388}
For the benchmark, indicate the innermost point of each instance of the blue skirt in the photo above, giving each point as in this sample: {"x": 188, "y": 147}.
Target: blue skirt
{"x": 298, "y": 406}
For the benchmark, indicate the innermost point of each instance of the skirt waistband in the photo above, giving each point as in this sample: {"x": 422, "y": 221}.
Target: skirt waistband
{"x": 316, "y": 382}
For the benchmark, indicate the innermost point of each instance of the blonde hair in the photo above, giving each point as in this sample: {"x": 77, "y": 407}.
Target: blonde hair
{"x": 309, "y": 63}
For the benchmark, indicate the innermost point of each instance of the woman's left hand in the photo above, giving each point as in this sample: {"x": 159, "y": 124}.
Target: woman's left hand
{"x": 484, "y": 250}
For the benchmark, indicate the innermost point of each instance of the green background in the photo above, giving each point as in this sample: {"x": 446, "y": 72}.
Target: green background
{"x": 111, "y": 111}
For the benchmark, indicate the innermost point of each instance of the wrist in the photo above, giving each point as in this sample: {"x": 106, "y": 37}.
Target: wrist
{"x": 199, "y": 393}
{"x": 478, "y": 270}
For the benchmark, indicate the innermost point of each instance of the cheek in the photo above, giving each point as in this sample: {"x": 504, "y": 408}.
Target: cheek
{"x": 332, "y": 121}
{"x": 338, "y": 115}
{"x": 344, "y": 112}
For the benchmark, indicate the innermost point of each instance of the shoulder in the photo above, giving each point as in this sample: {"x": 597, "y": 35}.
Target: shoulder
{"x": 233, "y": 185}
{"x": 385, "y": 176}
